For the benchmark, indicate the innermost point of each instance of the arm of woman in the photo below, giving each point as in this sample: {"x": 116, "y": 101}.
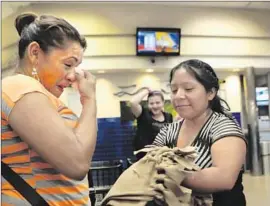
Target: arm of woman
{"x": 228, "y": 156}
{"x": 69, "y": 151}
{"x": 136, "y": 108}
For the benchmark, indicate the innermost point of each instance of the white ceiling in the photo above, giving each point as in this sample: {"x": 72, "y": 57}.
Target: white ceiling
{"x": 10, "y": 7}
{"x": 219, "y": 4}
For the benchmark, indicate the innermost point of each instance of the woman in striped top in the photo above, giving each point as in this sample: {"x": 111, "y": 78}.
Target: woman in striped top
{"x": 207, "y": 126}
{"x": 43, "y": 141}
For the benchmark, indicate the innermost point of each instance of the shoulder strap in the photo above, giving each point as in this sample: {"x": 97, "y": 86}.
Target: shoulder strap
{"x": 22, "y": 186}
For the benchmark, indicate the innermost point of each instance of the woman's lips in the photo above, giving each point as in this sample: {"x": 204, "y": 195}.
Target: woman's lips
{"x": 60, "y": 88}
{"x": 180, "y": 106}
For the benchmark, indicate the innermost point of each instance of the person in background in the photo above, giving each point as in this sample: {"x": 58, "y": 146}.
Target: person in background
{"x": 43, "y": 141}
{"x": 206, "y": 125}
{"x": 149, "y": 120}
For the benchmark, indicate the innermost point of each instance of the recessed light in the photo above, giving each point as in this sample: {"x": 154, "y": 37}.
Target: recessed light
{"x": 149, "y": 70}
{"x": 236, "y": 70}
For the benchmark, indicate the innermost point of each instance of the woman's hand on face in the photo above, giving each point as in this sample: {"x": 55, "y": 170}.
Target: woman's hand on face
{"x": 86, "y": 86}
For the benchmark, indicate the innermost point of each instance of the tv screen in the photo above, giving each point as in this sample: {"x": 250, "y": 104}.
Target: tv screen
{"x": 262, "y": 96}
{"x": 158, "y": 41}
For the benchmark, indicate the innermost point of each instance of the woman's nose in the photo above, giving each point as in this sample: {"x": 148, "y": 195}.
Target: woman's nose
{"x": 71, "y": 76}
{"x": 180, "y": 94}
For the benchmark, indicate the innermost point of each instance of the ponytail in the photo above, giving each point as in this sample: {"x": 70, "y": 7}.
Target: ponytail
{"x": 220, "y": 105}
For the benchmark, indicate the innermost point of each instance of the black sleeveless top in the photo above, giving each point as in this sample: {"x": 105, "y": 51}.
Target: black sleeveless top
{"x": 233, "y": 197}
{"x": 148, "y": 128}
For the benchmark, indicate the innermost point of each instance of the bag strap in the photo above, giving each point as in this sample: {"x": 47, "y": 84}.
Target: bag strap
{"x": 22, "y": 186}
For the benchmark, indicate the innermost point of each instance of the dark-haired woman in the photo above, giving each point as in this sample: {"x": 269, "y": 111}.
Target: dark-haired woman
{"x": 206, "y": 125}
{"x": 149, "y": 120}
{"x": 43, "y": 141}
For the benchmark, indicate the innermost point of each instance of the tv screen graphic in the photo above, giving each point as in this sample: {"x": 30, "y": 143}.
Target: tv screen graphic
{"x": 262, "y": 96}
{"x": 158, "y": 42}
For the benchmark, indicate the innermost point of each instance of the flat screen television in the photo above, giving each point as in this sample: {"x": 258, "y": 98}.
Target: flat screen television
{"x": 158, "y": 41}
{"x": 262, "y": 97}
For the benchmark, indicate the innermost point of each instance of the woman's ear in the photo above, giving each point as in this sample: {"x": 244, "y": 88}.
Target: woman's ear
{"x": 33, "y": 51}
{"x": 212, "y": 93}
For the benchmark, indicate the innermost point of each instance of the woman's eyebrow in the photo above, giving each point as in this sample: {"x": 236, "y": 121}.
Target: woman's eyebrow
{"x": 76, "y": 60}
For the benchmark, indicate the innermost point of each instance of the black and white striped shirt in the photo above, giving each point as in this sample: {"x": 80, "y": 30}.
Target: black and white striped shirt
{"x": 218, "y": 126}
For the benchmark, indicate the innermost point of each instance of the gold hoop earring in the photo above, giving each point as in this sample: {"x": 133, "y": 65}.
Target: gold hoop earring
{"x": 35, "y": 74}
